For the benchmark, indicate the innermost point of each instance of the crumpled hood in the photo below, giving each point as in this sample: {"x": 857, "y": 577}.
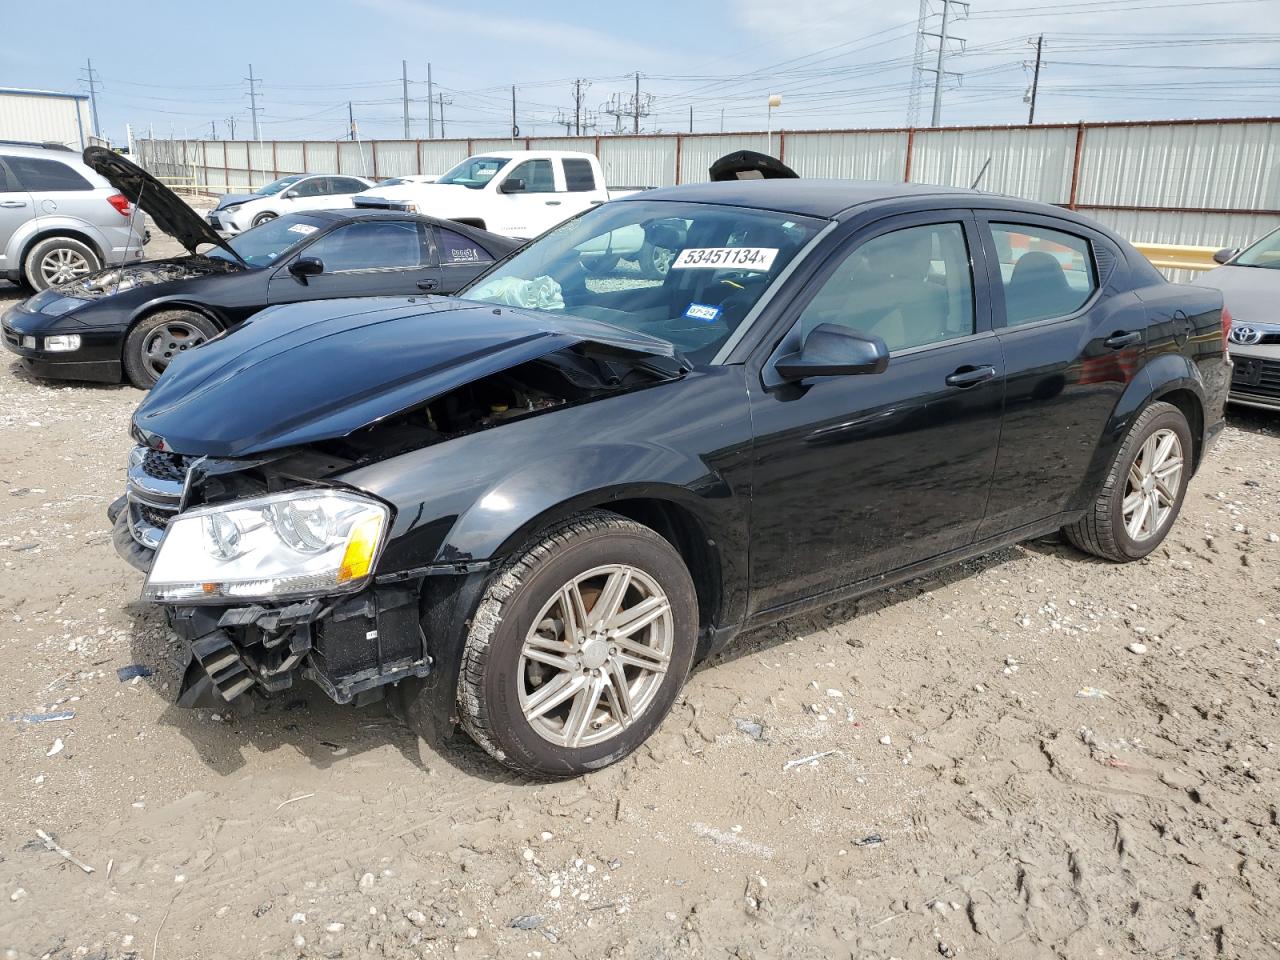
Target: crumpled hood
{"x": 169, "y": 211}
{"x": 1252, "y": 294}
{"x": 235, "y": 199}
{"x": 320, "y": 370}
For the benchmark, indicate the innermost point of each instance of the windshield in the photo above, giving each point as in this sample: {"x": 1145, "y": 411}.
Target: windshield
{"x": 474, "y": 172}
{"x": 275, "y": 186}
{"x": 688, "y": 273}
{"x": 263, "y": 245}
{"x": 1264, "y": 253}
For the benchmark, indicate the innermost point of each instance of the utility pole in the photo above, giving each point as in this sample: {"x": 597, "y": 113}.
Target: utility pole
{"x": 1035, "y": 80}
{"x": 404, "y": 94}
{"x": 691, "y": 118}
{"x": 577, "y": 108}
{"x": 92, "y": 79}
{"x": 431, "y": 110}
{"x": 351, "y": 122}
{"x": 942, "y": 53}
{"x": 253, "y": 103}
{"x": 213, "y": 129}
{"x": 231, "y": 122}
{"x": 515, "y": 130}
{"x": 636, "y": 128}
{"x": 443, "y": 101}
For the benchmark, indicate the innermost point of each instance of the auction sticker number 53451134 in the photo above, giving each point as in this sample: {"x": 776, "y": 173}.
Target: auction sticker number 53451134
{"x": 719, "y": 258}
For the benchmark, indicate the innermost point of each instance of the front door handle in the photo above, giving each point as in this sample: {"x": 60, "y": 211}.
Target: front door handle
{"x": 553, "y": 203}
{"x": 13, "y": 204}
{"x": 429, "y": 284}
{"x": 969, "y": 376}
{"x": 1118, "y": 341}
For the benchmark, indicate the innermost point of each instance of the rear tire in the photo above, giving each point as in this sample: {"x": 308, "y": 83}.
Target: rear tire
{"x": 551, "y": 685}
{"x": 1143, "y": 492}
{"x": 55, "y": 260}
{"x": 655, "y": 261}
{"x": 155, "y": 340}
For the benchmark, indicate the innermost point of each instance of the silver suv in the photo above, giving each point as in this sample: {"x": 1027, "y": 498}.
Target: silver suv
{"x": 58, "y": 219}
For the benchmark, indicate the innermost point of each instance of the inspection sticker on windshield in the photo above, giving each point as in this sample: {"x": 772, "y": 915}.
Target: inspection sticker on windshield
{"x": 302, "y": 228}
{"x": 702, "y": 311}
{"x": 721, "y": 258}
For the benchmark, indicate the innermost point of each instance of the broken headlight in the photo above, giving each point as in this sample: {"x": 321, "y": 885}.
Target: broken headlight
{"x": 287, "y": 545}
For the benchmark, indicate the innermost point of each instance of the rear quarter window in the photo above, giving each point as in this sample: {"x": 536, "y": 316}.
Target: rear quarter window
{"x": 39, "y": 175}
{"x": 578, "y": 176}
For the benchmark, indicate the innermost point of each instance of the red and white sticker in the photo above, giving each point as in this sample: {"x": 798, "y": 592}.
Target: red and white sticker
{"x": 725, "y": 258}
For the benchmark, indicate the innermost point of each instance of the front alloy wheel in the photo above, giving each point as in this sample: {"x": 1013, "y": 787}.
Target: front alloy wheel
{"x": 578, "y": 648}
{"x": 596, "y": 656}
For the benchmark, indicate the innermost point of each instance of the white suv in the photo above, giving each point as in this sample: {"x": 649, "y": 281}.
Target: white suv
{"x": 58, "y": 219}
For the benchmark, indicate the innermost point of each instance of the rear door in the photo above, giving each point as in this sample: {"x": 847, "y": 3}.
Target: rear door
{"x": 367, "y": 258}
{"x": 1070, "y": 345}
{"x": 15, "y": 210}
{"x": 857, "y": 476}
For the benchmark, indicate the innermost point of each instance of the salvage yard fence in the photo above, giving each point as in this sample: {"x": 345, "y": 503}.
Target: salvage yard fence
{"x": 1200, "y": 183}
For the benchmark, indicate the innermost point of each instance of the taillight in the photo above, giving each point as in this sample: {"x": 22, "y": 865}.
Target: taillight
{"x": 121, "y": 203}
{"x": 1226, "y": 328}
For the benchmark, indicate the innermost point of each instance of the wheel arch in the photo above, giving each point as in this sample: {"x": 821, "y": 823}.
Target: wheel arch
{"x": 49, "y": 233}
{"x": 154, "y": 307}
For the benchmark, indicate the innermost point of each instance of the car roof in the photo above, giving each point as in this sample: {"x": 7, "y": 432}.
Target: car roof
{"x": 801, "y": 196}
{"x": 52, "y": 151}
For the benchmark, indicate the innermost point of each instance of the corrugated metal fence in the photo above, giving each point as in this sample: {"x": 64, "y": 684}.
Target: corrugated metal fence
{"x": 1200, "y": 183}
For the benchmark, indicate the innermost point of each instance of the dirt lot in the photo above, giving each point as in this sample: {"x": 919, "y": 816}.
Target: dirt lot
{"x": 996, "y": 773}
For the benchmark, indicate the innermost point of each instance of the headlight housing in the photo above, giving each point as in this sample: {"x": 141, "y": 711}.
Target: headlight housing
{"x": 287, "y": 545}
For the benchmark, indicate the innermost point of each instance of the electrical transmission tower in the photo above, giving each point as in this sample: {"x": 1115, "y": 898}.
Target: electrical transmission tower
{"x": 631, "y": 107}
{"x": 254, "y": 109}
{"x": 91, "y": 78}
{"x": 917, "y": 65}
{"x": 944, "y": 38}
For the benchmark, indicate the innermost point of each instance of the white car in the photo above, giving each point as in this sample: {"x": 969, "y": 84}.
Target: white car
{"x": 292, "y": 194}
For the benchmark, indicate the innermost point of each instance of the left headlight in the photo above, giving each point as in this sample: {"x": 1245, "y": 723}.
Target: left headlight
{"x": 288, "y": 545}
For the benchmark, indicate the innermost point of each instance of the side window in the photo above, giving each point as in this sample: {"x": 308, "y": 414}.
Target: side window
{"x": 1045, "y": 273}
{"x": 909, "y": 288}
{"x": 345, "y": 185}
{"x": 578, "y": 176}
{"x": 7, "y": 183}
{"x": 455, "y": 248}
{"x": 370, "y": 245}
{"x": 311, "y": 187}
{"x": 39, "y": 175}
{"x": 537, "y": 175}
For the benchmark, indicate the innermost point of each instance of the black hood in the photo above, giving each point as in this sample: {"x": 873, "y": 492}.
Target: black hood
{"x": 169, "y": 211}
{"x": 320, "y": 370}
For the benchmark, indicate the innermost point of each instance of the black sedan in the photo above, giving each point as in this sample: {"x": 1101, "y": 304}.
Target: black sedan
{"x": 533, "y": 507}
{"x": 133, "y": 320}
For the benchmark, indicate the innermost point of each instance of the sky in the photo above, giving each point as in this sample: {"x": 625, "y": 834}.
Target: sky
{"x": 835, "y": 63}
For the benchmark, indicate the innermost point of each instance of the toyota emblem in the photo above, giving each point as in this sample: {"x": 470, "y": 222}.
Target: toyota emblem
{"x": 1245, "y": 335}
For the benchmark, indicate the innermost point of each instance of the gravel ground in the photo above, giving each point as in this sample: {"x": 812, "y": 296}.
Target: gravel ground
{"x": 995, "y": 771}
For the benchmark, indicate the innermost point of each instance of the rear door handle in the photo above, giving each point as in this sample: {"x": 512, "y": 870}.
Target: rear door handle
{"x": 428, "y": 284}
{"x": 968, "y": 376}
{"x": 1118, "y": 341}
{"x": 13, "y": 204}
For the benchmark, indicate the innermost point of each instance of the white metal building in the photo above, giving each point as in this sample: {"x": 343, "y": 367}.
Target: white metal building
{"x": 45, "y": 116}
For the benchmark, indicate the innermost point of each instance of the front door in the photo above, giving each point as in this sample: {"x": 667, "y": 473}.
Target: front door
{"x": 535, "y": 209}
{"x": 857, "y": 476}
{"x": 367, "y": 258}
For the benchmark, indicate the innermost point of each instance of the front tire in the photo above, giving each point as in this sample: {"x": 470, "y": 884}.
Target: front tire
{"x": 55, "y": 260}
{"x": 1144, "y": 490}
{"x": 579, "y": 647}
{"x": 262, "y": 218}
{"x": 155, "y": 340}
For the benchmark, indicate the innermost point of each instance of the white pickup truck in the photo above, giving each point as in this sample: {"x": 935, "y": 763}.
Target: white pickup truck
{"x": 517, "y": 193}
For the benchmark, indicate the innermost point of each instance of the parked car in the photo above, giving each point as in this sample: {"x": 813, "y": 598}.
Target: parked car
{"x": 518, "y": 193}
{"x": 533, "y": 507}
{"x": 236, "y": 213}
{"x": 58, "y": 219}
{"x": 1250, "y": 283}
{"x": 131, "y": 321}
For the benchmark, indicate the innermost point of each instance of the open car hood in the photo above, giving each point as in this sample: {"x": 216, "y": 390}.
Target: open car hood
{"x": 320, "y": 370}
{"x": 750, "y": 165}
{"x": 169, "y": 211}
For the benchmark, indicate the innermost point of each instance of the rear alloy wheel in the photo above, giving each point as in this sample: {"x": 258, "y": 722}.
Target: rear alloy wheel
{"x": 1144, "y": 490}
{"x": 579, "y": 647}
{"x": 262, "y": 218}
{"x": 155, "y": 340}
{"x": 655, "y": 261}
{"x": 59, "y": 260}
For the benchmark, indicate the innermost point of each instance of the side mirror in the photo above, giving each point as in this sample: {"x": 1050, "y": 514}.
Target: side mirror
{"x": 511, "y": 185}
{"x": 289, "y": 195}
{"x": 305, "y": 267}
{"x": 1225, "y": 254}
{"x": 831, "y": 350}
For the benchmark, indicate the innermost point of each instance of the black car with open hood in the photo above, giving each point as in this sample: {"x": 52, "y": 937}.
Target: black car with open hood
{"x": 529, "y": 509}
{"x": 131, "y": 321}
